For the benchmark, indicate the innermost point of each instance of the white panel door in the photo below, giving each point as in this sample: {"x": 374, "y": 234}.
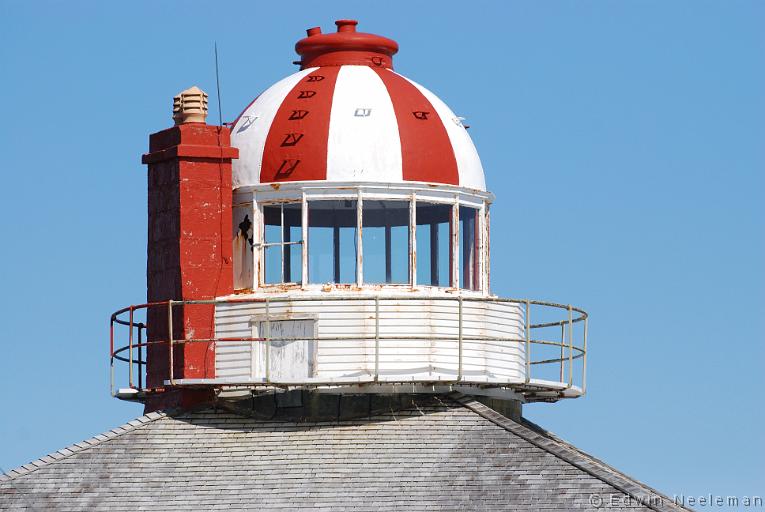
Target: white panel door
{"x": 289, "y": 353}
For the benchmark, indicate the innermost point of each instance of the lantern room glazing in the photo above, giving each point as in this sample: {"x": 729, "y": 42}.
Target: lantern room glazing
{"x": 354, "y": 236}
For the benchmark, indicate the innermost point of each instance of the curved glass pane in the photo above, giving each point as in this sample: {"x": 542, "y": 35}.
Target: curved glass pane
{"x": 332, "y": 241}
{"x": 282, "y": 241}
{"x": 433, "y": 244}
{"x": 385, "y": 241}
{"x": 468, "y": 263}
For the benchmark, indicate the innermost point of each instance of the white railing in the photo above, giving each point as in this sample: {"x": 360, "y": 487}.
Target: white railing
{"x": 550, "y": 353}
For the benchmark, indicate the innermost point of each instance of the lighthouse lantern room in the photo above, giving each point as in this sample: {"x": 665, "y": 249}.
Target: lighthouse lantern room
{"x": 334, "y": 237}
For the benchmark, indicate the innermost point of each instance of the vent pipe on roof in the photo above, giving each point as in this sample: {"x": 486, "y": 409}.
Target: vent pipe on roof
{"x": 190, "y": 106}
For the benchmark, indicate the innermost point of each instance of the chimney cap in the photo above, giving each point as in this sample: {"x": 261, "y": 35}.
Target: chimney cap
{"x": 190, "y": 106}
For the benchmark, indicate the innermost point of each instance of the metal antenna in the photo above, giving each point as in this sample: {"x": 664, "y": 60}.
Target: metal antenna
{"x": 217, "y": 85}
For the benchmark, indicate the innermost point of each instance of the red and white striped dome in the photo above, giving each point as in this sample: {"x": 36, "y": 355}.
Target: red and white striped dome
{"x": 346, "y": 116}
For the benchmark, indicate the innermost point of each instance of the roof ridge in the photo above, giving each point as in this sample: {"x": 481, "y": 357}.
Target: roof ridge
{"x": 533, "y": 426}
{"x": 643, "y": 494}
{"x": 96, "y": 440}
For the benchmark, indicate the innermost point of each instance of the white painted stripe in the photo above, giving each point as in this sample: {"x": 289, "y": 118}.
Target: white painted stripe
{"x": 250, "y": 132}
{"x": 364, "y": 144}
{"x": 468, "y": 162}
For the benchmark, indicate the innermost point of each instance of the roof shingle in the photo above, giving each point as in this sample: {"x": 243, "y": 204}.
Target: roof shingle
{"x": 444, "y": 453}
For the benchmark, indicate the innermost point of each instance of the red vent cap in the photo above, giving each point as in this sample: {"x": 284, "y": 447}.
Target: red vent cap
{"x": 345, "y": 47}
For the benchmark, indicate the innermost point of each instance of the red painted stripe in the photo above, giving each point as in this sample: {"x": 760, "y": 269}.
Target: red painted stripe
{"x": 296, "y": 144}
{"x": 426, "y": 151}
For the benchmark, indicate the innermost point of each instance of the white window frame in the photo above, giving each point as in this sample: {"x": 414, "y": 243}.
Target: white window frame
{"x": 261, "y": 244}
{"x": 302, "y": 193}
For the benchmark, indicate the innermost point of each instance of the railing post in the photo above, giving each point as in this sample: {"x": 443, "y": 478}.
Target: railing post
{"x": 304, "y": 238}
{"x": 413, "y": 239}
{"x": 562, "y": 349}
{"x": 281, "y": 240}
{"x": 584, "y": 358}
{"x": 359, "y": 239}
{"x": 130, "y": 349}
{"x": 141, "y": 327}
{"x": 459, "y": 340}
{"x": 140, "y": 355}
{"x": 528, "y": 342}
{"x": 170, "y": 341}
{"x": 570, "y": 347}
{"x": 111, "y": 356}
{"x": 268, "y": 341}
{"x": 377, "y": 339}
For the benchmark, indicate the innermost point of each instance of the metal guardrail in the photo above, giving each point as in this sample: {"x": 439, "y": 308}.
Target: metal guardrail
{"x": 567, "y": 351}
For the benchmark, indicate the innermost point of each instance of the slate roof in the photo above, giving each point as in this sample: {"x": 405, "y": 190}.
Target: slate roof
{"x": 443, "y": 453}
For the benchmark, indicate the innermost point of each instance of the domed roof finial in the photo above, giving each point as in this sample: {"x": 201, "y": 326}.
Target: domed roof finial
{"x": 345, "y": 47}
{"x": 346, "y": 25}
{"x": 190, "y": 106}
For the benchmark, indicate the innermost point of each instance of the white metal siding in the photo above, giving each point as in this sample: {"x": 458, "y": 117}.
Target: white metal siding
{"x": 431, "y": 355}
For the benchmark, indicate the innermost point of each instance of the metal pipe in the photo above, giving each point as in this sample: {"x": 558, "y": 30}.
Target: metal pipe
{"x": 459, "y": 340}
{"x": 259, "y": 239}
{"x": 528, "y": 343}
{"x": 377, "y": 339}
{"x": 130, "y": 352}
{"x": 304, "y": 248}
{"x": 413, "y": 240}
{"x": 562, "y": 349}
{"x": 364, "y": 338}
{"x": 570, "y": 349}
{"x": 135, "y": 306}
{"x": 454, "y": 246}
{"x": 553, "y": 360}
{"x": 111, "y": 356}
{"x": 140, "y": 355}
{"x": 482, "y": 241}
{"x": 170, "y": 341}
{"x": 268, "y": 341}
{"x": 361, "y": 297}
{"x": 359, "y": 239}
{"x": 584, "y": 359}
{"x": 486, "y": 273}
{"x": 281, "y": 237}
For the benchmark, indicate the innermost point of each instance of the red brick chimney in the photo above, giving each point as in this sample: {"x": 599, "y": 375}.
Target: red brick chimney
{"x": 189, "y": 246}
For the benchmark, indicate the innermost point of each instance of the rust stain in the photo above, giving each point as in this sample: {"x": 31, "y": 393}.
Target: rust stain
{"x": 280, "y": 287}
{"x": 413, "y": 270}
{"x": 257, "y": 270}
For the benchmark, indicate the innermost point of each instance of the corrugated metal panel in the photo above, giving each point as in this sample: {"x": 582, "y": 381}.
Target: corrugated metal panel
{"x": 426, "y": 350}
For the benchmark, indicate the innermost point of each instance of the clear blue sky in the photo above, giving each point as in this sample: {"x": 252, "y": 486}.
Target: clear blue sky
{"x": 623, "y": 140}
